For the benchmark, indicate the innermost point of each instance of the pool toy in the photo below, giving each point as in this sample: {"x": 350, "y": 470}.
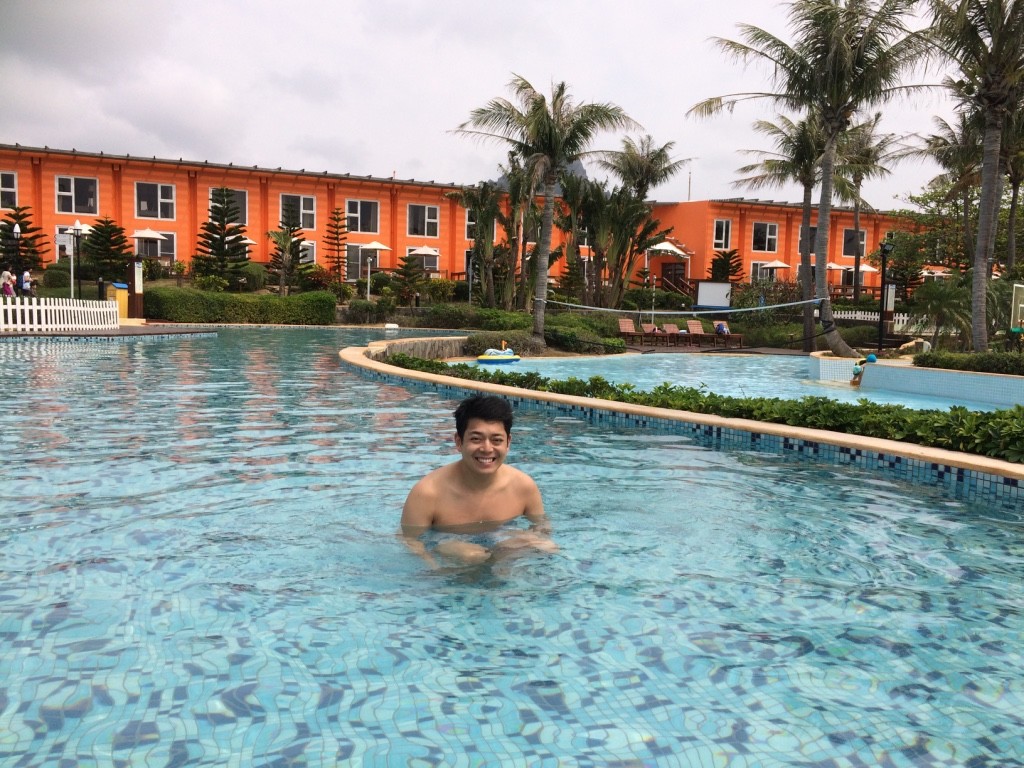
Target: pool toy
{"x": 871, "y": 359}
{"x": 498, "y": 357}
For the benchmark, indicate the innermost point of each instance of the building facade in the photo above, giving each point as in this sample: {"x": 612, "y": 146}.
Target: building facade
{"x": 172, "y": 197}
{"x": 767, "y": 233}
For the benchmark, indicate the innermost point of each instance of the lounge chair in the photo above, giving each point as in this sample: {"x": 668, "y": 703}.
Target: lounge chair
{"x": 724, "y": 336}
{"x": 628, "y": 331}
{"x": 674, "y": 336}
{"x": 654, "y": 334}
{"x": 698, "y": 335}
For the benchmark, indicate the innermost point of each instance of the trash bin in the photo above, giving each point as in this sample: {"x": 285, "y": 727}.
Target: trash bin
{"x": 119, "y": 292}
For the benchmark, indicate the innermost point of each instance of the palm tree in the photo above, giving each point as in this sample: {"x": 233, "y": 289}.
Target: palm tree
{"x": 485, "y": 202}
{"x": 848, "y": 55}
{"x": 518, "y": 221}
{"x": 862, "y": 154}
{"x": 942, "y": 304}
{"x": 985, "y": 40}
{"x": 548, "y": 134}
{"x": 641, "y": 165}
{"x": 798, "y": 149}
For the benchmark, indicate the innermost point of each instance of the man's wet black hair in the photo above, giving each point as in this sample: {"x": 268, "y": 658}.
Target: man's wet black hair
{"x": 486, "y": 408}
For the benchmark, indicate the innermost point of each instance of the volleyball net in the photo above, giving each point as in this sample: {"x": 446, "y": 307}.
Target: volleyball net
{"x": 682, "y": 312}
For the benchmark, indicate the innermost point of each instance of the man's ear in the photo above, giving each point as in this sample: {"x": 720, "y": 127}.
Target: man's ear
{"x": 458, "y": 442}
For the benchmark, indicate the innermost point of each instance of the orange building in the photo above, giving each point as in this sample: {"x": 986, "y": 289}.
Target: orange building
{"x": 766, "y": 233}
{"x": 172, "y": 197}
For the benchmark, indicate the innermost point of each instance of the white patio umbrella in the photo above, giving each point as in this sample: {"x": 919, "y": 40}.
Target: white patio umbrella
{"x": 147, "y": 234}
{"x": 425, "y": 250}
{"x": 831, "y": 266}
{"x": 777, "y": 264}
{"x": 376, "y": 247}
{"x": 666, "y": 247}
{"x": 866, "y": 268}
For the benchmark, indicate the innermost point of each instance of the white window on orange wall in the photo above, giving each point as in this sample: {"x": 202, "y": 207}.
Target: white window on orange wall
{"x": 423, "y": 220}
{"x": 8, "y": 189}
{"x": 723, "y": 235}
{"x": 362, "y": 215}
{"x": 299, "y": 210}
{"x": 766, "y": 237}
{"x": 76, "y": 194}
{"x": 154, "y": 201}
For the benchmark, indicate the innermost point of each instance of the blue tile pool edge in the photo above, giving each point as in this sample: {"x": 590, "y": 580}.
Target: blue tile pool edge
{"x": 945, "y": 469}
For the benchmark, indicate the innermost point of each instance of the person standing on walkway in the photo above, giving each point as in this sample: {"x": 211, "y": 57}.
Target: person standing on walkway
{"x": 7, "y": 282}
{"x": 26, "y": 284}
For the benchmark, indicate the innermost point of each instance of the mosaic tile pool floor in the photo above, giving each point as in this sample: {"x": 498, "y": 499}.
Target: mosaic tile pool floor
{"x": 198, "y": 567}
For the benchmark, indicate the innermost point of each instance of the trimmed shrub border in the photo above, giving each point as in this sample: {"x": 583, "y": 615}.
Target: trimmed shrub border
{"x": 964, "y": 476}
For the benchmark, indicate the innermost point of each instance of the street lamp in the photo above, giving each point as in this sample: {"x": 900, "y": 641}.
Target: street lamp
{"x": 76, "y": 231}
{"x": 886, "y": 249}
{"x": 16, "y": 233}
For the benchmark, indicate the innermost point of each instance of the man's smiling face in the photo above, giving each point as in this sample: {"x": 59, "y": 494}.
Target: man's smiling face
{"x": 484, "y": 445}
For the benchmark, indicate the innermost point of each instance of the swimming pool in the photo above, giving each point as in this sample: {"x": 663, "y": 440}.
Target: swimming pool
{"x": 198, "y": 567}
{"x": 739, "y": 375}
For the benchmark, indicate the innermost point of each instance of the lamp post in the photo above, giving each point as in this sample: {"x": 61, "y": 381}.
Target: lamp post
{"x": 16, "y": 233}
{"x": 885, "y": 249}
{"x": 76, "y": 231}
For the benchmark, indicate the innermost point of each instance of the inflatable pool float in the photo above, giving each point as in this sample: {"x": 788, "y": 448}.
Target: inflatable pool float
{"x": 498, "y": 357}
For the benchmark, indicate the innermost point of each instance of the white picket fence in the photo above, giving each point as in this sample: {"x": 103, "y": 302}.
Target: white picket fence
{"x": 28, "y": 315}
{"x": 901, "y": 321}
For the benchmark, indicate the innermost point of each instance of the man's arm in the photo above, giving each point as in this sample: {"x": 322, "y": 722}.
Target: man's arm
{"x": 417, "y": 518}
{"x": 534, "y": 508}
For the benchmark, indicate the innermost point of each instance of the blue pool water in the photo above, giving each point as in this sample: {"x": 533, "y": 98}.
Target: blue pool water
{"x": 198, "y": 566}
{"x": 737, "y": 375}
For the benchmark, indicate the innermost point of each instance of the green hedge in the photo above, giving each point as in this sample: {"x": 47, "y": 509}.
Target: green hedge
{"x": 55, "y": 277}
{"x": 520, "y": 341}
{"x": 981, "y": 362}
{"x": 999, "y": 434}
{"x": 187, "y": 305}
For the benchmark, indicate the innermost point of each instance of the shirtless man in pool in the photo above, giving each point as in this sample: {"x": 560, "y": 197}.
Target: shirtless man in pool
{"x": 477, "y": 494}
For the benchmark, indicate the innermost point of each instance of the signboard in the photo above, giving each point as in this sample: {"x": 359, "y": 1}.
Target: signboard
{"x": 65, "y": 244}
{"x": 713, "y": 295}
{"x": 1017, "y": 307}
{"x": 138, "y": 276}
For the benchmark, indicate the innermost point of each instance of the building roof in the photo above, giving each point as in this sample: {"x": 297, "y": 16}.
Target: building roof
{"x": 230, "y": 166}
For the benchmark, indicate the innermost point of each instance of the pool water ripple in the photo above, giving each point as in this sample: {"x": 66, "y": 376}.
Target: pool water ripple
{"x": 199, "y": 566}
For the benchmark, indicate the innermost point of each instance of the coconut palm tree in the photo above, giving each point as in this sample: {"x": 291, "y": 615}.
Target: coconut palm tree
{"x": 516, "y": 219}
{"x": 548, "y": 134}
{"x": 797, "y": 156}
{"x": 642, "y": 166}
{"x": 985, "y": 40}
{"x": 485, "y": 201}
{"x": 862, "y": 153}
{"x": 942, "y": 304}
{"x": 849, "y": 55}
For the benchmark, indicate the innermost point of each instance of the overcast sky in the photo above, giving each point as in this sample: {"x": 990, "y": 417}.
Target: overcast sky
{"x": 377, "y": 86}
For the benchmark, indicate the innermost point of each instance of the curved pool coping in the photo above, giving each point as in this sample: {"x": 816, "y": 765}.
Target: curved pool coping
{"x": 967, "y": 476}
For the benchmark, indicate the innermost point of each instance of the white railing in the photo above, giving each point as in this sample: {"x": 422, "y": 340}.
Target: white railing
{"x": 27, "y": 315}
